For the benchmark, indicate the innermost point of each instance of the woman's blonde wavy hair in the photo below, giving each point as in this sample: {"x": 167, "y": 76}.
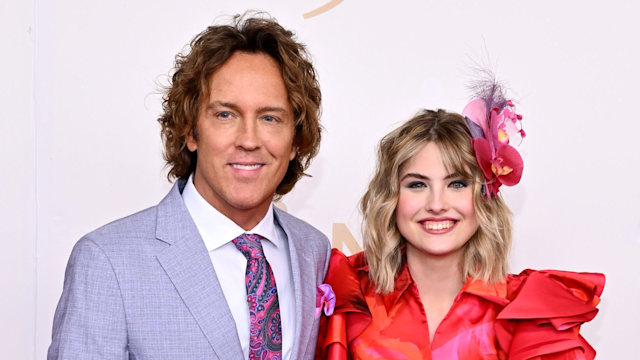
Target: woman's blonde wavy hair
{"x": 485, "y": 254}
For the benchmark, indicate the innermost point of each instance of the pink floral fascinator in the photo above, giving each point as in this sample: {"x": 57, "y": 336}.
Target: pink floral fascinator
{"x": 493, "y": 121}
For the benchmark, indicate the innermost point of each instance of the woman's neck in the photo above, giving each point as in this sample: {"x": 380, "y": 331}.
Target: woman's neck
{"x": 436, "y": 271}
{"x": 439, "y": 280}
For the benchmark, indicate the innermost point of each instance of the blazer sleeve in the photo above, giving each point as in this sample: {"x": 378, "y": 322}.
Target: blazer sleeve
{"x": 89, "y": 321}
{"x": 328, "y": 250}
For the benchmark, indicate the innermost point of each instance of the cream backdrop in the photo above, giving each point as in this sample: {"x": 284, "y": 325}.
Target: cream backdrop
{"x": 81, "y": 144}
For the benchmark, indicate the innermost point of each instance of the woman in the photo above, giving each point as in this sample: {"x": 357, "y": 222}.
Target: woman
{"x": 432, "y": 282}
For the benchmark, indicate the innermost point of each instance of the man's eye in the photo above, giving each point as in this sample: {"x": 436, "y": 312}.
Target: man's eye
{"x": 224, "y": 114}
{"x": 458, "y": 184}
{"x": 269, "y": 118}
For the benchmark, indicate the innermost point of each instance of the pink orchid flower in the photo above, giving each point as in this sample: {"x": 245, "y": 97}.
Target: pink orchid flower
{"x": 500, "y": 162}
{"x": 503, "y": 167}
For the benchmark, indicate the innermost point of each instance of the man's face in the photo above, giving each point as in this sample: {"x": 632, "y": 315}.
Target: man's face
{"x": 245, "y": 133}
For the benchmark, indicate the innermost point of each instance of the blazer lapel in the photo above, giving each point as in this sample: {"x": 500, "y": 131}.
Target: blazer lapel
{"x": 189, "y": 267}
{"x": 303, "y": 271}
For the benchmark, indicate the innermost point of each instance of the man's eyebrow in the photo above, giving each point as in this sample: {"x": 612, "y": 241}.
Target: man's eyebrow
{"x": 272, "y": 109}
{"x": 225, "y": 104}
{"x": 234, "y": 107}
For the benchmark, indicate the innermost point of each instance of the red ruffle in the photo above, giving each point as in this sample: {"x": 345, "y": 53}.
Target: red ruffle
{"x": 350, "y": 308}
{"x": 544, "y": 314}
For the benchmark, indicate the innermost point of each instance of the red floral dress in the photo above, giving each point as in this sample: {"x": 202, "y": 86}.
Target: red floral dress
{"x": 533, "y": 315}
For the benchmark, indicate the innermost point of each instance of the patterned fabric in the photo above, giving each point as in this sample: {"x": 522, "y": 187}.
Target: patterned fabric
{"x": 532, "y": 315}
{"x": 265, "y": 341}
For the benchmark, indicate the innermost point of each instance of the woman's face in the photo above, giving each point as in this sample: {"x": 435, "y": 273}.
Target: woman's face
{"x": 435, "y": 212}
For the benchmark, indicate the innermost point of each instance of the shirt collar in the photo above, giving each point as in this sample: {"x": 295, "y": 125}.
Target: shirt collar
{"x": 401, "y": 284}
{"x": 216, "y": 229}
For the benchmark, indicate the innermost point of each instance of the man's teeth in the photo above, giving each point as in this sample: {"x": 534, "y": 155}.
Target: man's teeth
{"x": 438, "y": 225}
{"x": 246, "y": 167}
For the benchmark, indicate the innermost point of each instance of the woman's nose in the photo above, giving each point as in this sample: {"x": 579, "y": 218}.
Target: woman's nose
{"x": 436, "y": 202}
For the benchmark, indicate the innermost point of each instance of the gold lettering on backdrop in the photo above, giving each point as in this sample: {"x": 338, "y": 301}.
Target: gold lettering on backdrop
{"x": 342, "y": 236}
{"x": 324, "y": 8}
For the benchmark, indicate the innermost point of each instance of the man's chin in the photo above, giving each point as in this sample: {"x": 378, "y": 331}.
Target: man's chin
{"x": 249, "y": 203}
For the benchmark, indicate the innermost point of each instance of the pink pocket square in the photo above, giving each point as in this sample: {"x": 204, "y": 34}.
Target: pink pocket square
{"x": 325, "y": 299}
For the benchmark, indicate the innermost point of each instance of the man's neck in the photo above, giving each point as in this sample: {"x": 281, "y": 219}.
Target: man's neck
{"x": 246, "y": 219}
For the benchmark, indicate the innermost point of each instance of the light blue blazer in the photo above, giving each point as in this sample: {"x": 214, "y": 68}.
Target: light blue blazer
{"x": 143, "y": 287}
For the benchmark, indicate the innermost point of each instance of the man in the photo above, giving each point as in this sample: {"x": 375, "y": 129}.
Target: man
{"x": 240, "y": 126}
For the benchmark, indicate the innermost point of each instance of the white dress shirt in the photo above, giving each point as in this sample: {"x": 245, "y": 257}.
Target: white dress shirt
{"x": 217, "y": 232}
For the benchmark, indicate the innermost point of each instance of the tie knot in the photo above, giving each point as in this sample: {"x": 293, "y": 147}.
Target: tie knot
{"x": 250, "y": 246}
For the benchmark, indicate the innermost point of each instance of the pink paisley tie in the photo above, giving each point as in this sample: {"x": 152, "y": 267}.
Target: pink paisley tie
{"x": 265, "y": 340}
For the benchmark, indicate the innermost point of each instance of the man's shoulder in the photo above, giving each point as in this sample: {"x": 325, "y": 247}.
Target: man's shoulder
{"x": 141, "y": 224}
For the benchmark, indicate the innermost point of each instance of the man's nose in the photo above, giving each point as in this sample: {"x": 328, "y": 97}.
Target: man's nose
{"x": 247, "y": 136}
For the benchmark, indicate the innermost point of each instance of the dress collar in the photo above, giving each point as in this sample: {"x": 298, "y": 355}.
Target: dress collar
{"x": 402, "y": 283}
{"x": 494, "y": 292}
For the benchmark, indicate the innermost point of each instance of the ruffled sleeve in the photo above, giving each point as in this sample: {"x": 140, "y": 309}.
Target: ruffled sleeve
{"x": 350, "y": 315}
{"x": 545, "y": 310}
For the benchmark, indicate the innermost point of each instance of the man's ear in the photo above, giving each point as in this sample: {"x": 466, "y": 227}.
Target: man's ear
{"x": 294, "y": 152}
{"x": 192, "y": 143}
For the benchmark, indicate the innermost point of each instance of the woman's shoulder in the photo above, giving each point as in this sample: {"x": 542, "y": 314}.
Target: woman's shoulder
{"x": 339, "y": 261}
{"x": 537, "y": 288}
{"x": 346, "y": 272}
{"x": 351, "y": 313}
{"x": 345, "y": 275}
{"x": 544, "y": 311}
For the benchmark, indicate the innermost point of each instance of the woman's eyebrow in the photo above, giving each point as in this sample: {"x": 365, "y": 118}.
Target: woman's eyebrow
{"x": 453, "y": 175}
{"x": 424, "y": 177}
{"x": 415, "y": 175}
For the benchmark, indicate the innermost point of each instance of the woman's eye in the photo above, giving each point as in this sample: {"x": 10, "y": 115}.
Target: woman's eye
{"x": 416, "y": 185}
{"x": 458, "y": 184}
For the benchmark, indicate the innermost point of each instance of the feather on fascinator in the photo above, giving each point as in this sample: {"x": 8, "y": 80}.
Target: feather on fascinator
{"x": 492, "y": 121}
